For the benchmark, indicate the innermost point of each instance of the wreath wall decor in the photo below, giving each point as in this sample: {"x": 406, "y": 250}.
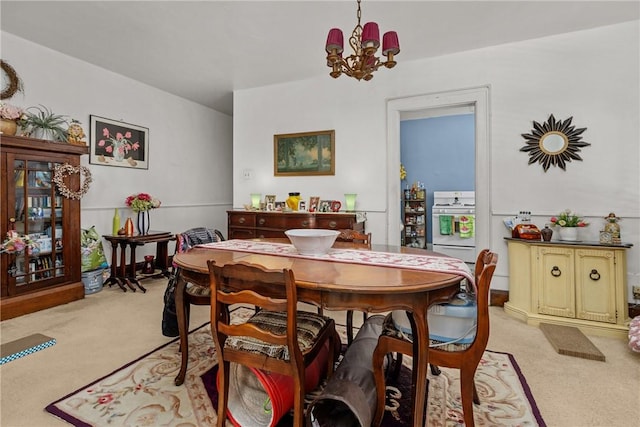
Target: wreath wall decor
{"x": 62, "y": 171}
{"x": 554, "y": 142}
{"x": 14, "y": 83}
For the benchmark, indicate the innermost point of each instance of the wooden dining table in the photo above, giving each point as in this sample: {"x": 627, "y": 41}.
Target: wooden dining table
{"x": 343, "y": 286}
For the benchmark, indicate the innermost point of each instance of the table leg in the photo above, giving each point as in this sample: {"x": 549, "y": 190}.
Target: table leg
{"x": 123, "y": 266}
{"x": 182, "y": 312}
{"x": 113, "y": 278}
{"x": 162, "y": 257}
{"x": 132, "y": 274}
{"x": 419, "y": 325}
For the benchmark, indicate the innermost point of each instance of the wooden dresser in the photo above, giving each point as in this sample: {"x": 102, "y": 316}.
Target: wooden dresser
{"x": 259, "y": 224}
{"x": 581, "y": 284}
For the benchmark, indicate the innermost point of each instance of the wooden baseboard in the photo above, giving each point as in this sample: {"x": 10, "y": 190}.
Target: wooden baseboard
{"x": 11, "y": 307}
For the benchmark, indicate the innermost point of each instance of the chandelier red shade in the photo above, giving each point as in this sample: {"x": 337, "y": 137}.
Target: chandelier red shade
{"x": 365, "y": 43}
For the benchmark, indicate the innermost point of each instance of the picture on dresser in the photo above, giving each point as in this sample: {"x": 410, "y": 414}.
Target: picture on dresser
{"x": 314, "y": 203}
{"x": 305, "y": 153}
{"x": 116, "y": 143}
{"x": 325, "y": 206}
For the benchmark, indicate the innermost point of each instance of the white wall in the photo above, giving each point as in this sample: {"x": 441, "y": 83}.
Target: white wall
{"x": 590, "y": 75}
{"x": 190, "y": 146}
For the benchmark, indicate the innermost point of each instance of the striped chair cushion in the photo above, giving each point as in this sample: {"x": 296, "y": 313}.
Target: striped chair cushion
{"x": 309, "y": 325}
{"x": 197, "y": 290}
{"x": 389, "y": 329}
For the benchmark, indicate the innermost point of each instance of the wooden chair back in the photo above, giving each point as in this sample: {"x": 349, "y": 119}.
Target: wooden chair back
{"x": 463, "y": 357}
{"x": 184, "y": 294}
{"x": 272, "y": 291}
{"x": 358, "y": 239}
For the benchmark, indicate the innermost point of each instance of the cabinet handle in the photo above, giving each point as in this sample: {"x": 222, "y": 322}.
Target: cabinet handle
{"x": 261, "y": 221}
{"x": 555, "y": 271}
{"x": 594, "y": 274}
{"x": 305, "y": 223}
{"x": 241, "y": 220}
{"x": 332, "y": 224}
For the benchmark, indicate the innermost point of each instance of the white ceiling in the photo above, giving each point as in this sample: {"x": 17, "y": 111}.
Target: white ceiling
{"x": 203, "y": 50}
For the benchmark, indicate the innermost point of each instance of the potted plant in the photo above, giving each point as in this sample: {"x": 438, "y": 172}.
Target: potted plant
{"x": 9, "y": 116}
{"x": 40, "y": 122}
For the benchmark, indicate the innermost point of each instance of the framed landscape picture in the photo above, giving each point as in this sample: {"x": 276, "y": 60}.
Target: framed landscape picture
{"x": 306, "y": 153}
{"x": 116, "y": 143}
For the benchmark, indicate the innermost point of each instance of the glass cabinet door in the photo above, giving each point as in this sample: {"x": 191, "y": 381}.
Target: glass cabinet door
{"x": 38, "y": 213}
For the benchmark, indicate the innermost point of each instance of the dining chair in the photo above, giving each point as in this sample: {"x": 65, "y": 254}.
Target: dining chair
{"x": 464, "y": 357}
{"x": 277, "y": 338}
{"x": 189, "y": 293}
{"x": 356, "y": 240}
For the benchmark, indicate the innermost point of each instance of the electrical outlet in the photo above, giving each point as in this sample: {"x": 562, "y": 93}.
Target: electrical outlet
{"x": 247, "y": 174}
{"x": 636, "y": 292}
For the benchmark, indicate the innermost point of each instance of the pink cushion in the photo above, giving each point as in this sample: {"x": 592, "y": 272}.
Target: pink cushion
{"x": 634, "y": 334}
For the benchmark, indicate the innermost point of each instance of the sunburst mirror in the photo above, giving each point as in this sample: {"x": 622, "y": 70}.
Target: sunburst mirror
{"x": 554, "y": 142}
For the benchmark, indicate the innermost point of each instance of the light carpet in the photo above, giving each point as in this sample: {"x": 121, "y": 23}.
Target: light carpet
{"x": 142, "y": 393}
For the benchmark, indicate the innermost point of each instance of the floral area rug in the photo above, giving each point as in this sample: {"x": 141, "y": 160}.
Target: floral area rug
{"x": 142, "y": 393}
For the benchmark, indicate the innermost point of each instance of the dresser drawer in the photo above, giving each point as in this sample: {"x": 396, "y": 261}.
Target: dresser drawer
{"x": 334, "y": 222}
{"x": 285, "y": 221}
{"x": 242, "y": 219}
{"x": 241, "y": 233}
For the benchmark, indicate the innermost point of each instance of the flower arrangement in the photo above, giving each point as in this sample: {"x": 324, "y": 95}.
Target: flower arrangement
{"x": 17, "y": 243}
{"x": 10, "y": 112}
{"x": 119, "y": 145}
{"x": 142, "y": 202}
{"x": 568, "y": 219}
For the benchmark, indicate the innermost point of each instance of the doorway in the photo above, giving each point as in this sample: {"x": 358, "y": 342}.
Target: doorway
{"x": 437, "y": 149}
{"x": 396, "y": 108}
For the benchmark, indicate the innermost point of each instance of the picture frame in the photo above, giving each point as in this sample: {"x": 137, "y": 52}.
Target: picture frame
{"x": 314, "y": 203}
{"x": 304, "y": 154}
{"x": 270, "y": 202}
{"x": 116, "y": 143}
{"x": 325, "y": 206}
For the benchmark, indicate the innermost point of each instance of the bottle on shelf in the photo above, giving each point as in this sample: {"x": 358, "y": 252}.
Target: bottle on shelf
{"x": 116, "y": 222}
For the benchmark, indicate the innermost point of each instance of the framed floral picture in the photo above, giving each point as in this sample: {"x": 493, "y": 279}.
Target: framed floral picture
{"x": 306, "y": 153}
{"x": 116, "y": 143}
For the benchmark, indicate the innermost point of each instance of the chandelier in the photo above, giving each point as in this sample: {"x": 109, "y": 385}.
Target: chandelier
{"x": 364, "y": 42}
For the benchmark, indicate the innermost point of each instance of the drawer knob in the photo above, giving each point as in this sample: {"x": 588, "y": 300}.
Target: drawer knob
{"x": 594, "y": 275}
{"x": 261, "y": 221}
{"x": 305, "y": 223}
{"x": 333, "y": 224}
{"x": 241, "y": 220}
{"x": 555, "y": 271}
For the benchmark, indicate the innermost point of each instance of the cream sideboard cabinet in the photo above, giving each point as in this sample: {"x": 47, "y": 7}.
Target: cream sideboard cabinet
{"x": 581, "y": 284}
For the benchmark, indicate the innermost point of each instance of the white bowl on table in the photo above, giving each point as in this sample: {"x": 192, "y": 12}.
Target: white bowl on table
{"x": 312, "y": 241}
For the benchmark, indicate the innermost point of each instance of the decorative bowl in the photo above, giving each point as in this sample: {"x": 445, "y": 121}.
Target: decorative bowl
{"x": 312, "y": 241}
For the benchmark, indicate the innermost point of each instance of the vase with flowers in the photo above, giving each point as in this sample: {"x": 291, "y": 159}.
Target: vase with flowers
{"x": 9, "y": 116}
{"x": 142, "y": 203}
{"x": 118, "y": 145}
{"x": 568, "y": 223}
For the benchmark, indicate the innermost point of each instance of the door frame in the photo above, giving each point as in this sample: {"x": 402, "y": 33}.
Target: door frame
{"x": 479, "y": 98}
